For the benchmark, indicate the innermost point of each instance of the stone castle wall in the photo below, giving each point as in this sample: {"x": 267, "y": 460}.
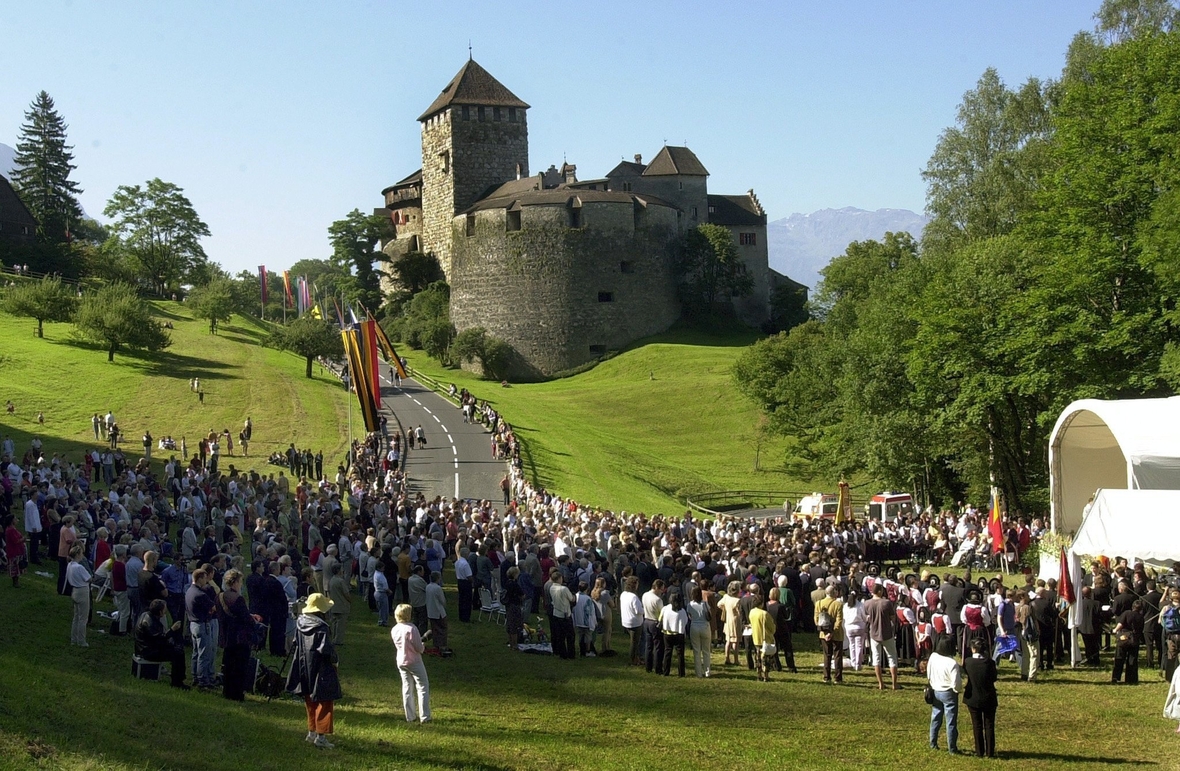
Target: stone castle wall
{"x": 562, "y": 296}
{"x": 461, "y": 158}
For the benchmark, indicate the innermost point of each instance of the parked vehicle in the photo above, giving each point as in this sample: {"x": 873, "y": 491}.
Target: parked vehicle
{"x": 816, "y": 505}
{"x": 888, "y": 507}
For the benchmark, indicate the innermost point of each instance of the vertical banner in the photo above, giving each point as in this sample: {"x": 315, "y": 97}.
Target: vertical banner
{"x": 262, "y": 282}
{"x": 843, "y": 503}
{"x": 361, "y": 383}
{"x": 995, "y": 523}
{"x": 387, "y": 349}
{"x": 288, "y": 300}
{"x": 369, "y": 336}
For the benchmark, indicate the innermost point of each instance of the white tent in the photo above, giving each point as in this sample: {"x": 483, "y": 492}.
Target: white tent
{"x": 1127, "y": 444}
{"x": 1136, "y": 524}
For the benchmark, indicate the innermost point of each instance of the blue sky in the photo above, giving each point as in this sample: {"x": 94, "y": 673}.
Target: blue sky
{"x": 278, "y": 118}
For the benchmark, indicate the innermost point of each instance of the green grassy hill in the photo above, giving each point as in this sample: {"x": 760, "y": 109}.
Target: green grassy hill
{"x": 641, "y": 430}
{"x": 69, "y": 381}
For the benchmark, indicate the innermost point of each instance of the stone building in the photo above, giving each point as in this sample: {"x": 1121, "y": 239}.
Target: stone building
{"x": 562, "y": 269}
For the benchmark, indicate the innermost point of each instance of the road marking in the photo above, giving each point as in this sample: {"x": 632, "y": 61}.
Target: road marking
{"x": 451, "y": 440}
{"x": 454, "y": 450}
{"x": 416, "y": 401}
{"x": 427, "y": 409}
{"x": 444, "y": 428}
{"x": 456, "y": 484}
{"x": 436, "y": 420}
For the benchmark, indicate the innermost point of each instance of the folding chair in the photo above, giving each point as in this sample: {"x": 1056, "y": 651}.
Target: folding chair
{"x": 490, "y": 606}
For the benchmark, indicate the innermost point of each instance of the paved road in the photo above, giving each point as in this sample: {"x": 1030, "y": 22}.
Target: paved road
{"x": 457, "y": 460}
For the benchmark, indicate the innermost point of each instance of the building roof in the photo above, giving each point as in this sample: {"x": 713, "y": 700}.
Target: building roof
{"x": 473, "y": 85}
{"x": 626, "y": 169}
{"x": 734, "y": 210}
{"x": 675, "y": 160}
{"x": 413, "y": 179}
{"x": 12, "y": 208}
{"x": 514, "y": 194}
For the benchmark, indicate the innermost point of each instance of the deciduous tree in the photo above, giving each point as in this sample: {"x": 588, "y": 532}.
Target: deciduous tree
{"x": 158, "y": 228}
{"x": 44, "y": 300}
{"x": 308, "y": 337}
{"x": 118, "y": 318}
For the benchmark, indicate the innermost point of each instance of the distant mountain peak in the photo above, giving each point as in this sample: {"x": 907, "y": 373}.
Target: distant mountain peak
{"x": 802, "y": 245}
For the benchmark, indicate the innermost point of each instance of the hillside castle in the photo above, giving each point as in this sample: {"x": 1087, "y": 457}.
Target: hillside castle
{"x": 561, "y": 269}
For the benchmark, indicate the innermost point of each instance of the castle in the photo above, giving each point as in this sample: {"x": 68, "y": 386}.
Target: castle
{"x": 561, "y": 269}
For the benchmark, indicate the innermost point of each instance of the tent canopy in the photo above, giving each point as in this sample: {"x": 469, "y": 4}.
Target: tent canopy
{"x": 1136, "y": 524}
{"x": 1127, "y": 444}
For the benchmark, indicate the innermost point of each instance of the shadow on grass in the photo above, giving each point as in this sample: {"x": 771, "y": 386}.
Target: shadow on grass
{"x": 164, "y": 363}
{"x": 1064, "y": 758}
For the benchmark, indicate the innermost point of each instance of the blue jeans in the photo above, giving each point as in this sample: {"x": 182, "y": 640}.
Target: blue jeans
{"x": 382, "y": 608}
{"x": 204, "y": 648}
{"x": 948, "y": 707}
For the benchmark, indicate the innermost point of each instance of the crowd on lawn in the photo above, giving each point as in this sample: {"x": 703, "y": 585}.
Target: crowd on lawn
{"x": 219, "y": 559}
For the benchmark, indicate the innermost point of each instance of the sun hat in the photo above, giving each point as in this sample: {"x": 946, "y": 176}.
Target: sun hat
{"x": 317, "y": 603}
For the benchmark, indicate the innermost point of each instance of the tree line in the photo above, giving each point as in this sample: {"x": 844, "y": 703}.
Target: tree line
{"x": 1050, "y": 271}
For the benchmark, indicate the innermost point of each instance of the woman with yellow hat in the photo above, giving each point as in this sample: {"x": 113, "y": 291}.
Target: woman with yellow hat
{"x": 313, "y": 669}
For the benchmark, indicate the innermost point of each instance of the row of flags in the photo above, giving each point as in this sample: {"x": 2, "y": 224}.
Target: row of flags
{"x": 362, "y": 341}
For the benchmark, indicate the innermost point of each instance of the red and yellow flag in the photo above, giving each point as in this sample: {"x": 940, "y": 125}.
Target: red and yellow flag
{"x": 995, "y": 523}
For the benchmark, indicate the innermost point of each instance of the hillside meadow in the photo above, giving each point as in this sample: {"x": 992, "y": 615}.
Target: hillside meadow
{"x": 69, "y": 381}
{"x": 643, "y": 429}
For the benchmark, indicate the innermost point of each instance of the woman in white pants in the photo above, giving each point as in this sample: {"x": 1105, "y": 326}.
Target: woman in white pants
{"x": 856, "y": 630}
{"x": 700, "y": 632}
{"x": 415, "y": 684}
{"x": 78, "y": 581}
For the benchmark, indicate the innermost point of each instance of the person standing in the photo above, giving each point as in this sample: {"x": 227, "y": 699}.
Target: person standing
{"x": 829, "y": 623}
{"x": 631, "y": 616}
{"x": 1128, "y": 634}
{"x": 14, "y": 550}
{"x": 341, "y": 604}
{"x": 980, "y": 698}
{"x": 1152, "y": 639}
{"x": 94, "y": 424}
{"x": 199, "y": 611}
{"x": 33, "y": 528}
{"x": 78, "y": 581}
{"x": 563, "y": 618}
{"x": 762, "y": 637}
{"x": 66, "y": 537}
{"x": 881, "y": 620}
{"x": 436, "y": 612}
{"x": 700, "y": 632}
{"x": 944, "y": 675}
{"x": 673, "y": 626}
{"x": 653, "y": 639}
{"x": 463, "y": 574}
{"x": 1089, "y": 626}
{"x": 236, "y": 632}
{"x": 313, "y": 670}
{"x": 1172, "y": 701}
{"x": 1030, "y": 636}
{"x": 1170, "y": 627}
{"x": 415, "y": 683}
{"x": 381, "y": 594}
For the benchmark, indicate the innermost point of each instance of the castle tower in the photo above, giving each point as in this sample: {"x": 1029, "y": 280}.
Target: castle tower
{"x": 474, "y": 137}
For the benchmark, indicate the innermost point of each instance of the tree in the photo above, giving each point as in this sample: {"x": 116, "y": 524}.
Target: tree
{"x": 159, "y": 229}
{"x": 308, "y": 337}
{"x": 116, "y": 317}
{"x": 355, "y": 241}
{"x": 44, "y": 300}
{"x": 710, "y": 268}
{"x": 475, "y": 344}
{"x": 42, "y": 171}
{"x": 425, "y": 322}
{"x": 788, "y": 308}
{"x": 1117, "y": 21}
{"x": 414, "y": 271}
{"x": 216, "y": 301}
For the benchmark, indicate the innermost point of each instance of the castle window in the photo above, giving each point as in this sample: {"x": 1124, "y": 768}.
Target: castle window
{"x": 470, "y": 225}
{"x": 512, "y": 222}
{"x": 496, "y": 113}
{"x": 712, "y": 209}
{"x": 626, "y": 267}
{"x": 606, "y": 297}
{"x": 445, "y": 161}
{"x": 512, "y": 115}
{"x": 627, "y": 187}
{"x": 598, "y": 349}
{"x": 466, "y": 112}
{"x": 694, "y": 212}
{"x": 575, "y": 217}
{"x": 748, "y": 239}
{"x": 482, "y": 115}
{"x": 681, "y": 185}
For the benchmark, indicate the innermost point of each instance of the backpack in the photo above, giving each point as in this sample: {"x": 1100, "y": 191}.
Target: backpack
{"x": 1170, "y": 620}
{"x": 1030, "y": 632}
{"x": 824, "y": 622}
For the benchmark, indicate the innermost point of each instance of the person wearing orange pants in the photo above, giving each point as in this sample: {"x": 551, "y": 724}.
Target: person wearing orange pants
{"x": 313, "y": 669}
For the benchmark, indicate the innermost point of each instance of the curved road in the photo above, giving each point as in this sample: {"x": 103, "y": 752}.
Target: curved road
{"x": 457, "y": 460}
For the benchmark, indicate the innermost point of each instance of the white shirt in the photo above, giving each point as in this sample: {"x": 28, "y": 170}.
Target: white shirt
{"x": 673, "y": 621}
{"x": 462, "y": 570}
{"x": 943, "y": 672}
{"x": 652, "y": 606}
{"x": 631, "y": 609}
{"x": 32, "y": 517}
{"x": 77, "y": 575}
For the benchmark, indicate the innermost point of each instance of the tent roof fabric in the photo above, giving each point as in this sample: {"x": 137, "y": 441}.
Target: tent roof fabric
{"x": 1138, "y": 524}
{"x": 1133, "y": 443}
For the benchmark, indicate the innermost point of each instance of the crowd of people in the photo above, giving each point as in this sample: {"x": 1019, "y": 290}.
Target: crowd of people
{"x": 215, "y": 559}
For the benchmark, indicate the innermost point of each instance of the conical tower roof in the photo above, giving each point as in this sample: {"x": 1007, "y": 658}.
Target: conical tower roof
{"x": 475, "y": 86}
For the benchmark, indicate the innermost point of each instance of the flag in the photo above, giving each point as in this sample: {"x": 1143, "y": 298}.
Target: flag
{"x": 844, "y": 503}
{"x": 1065, "y": 586}
{"x": 369, "y": 338}
{"x": 361, "y": 382}
{"x": 387, "y": 349}
{"x": 262, "y": 281}
{"x": 288, "y": 300}
{"x": 995, "y": 523}
{"x": 339, "y": 314}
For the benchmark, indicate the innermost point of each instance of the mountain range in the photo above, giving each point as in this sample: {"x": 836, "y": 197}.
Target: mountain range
{"x": 802, "y": 245}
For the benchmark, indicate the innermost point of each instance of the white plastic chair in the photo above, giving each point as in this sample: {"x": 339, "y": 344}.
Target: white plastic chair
{"x": 491, "y": 606}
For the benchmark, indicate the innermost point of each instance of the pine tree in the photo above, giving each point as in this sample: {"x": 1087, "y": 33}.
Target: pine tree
{"x": 42, "y": 174}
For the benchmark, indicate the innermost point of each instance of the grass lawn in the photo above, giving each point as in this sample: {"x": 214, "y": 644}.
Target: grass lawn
{"x": 69, "y": 381}
{"x": 72, "y": 708}
{"x": 641, "y": 430}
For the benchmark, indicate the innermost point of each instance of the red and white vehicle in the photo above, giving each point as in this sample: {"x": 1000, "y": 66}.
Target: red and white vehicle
{"x": 816, "y": 505}
{"x": 888, "y": 507}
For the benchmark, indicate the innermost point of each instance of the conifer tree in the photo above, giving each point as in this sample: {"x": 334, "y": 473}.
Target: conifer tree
{"x": 42, "y": 171}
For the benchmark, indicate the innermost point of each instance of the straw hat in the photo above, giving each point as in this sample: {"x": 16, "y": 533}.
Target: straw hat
{"x": 317, "y": 603}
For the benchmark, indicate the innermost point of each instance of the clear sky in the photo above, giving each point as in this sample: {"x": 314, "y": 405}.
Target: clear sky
{"x": 278, "y": 118}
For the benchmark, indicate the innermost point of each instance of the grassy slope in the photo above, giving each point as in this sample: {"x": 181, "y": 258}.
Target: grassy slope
{"x": 71, "y": 708}
{"x": 639, "y": 430}
{"x": 70, "y": 381}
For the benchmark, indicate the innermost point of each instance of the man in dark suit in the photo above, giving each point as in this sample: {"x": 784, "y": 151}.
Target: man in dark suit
{"x": 954, "y": 598}
{"x": 1090, "y": 626}
{"x": 979, "y": 696}
{"x": 1122, "y": 601}
{"x": 1152, "y": 637}
{"x": 1045, "y": 612}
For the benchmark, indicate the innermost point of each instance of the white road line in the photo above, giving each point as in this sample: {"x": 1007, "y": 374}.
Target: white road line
{"x": 415, "y": 400}
{"x": 428, "y": 410}
{"x": 444, "y": 428}
{"x": 454, "y": 450}
{"x": 456, "y": 484}
{"x": 451, "y": 440}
